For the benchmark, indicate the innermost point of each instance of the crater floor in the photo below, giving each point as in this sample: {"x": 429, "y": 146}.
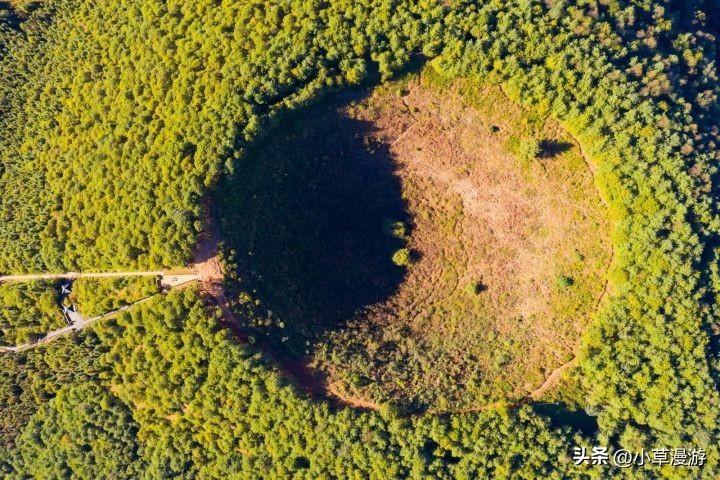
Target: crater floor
{"x": 497, "y": 208}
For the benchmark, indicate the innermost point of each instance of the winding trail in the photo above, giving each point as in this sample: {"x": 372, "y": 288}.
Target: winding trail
{"x": 550, "y": 381}
{"x": 210, "y": 273}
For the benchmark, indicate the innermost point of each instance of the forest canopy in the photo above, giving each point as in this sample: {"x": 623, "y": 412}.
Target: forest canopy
{"x": 119, "y": 119}
{"x": 28, "y": 310}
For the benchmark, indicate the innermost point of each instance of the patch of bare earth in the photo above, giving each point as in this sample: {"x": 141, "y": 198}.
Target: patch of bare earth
{"x": 482, "y": 316}
{"x": 208, "y": 268}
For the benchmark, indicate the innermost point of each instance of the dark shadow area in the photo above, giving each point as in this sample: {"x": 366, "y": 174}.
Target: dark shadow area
{"x": 9, "y": 17}
{"x": 712, "y": 353}
{"x": 303, "y": 219}
{"x": 553, "y": 148}
{"x": 13, "y": 18}
{"x": 561, "y": 416}
{"x": 432, "y": 451}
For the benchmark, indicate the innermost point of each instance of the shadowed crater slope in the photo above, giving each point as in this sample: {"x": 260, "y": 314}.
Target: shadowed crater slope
{"x": 306, "y": 221}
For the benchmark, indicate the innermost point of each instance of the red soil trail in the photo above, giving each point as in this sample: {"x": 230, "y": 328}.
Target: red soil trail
{"x": 209, "y": 270}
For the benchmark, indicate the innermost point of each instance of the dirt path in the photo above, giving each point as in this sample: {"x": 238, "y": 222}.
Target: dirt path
{"x": 550, "y": 381}
{"x": 210, "y": 272}
{"x": 168, "y": 280}
{"x": 75, "y": 327}
{"x": 354, "y": 402}
{"x": 74, "y": 275}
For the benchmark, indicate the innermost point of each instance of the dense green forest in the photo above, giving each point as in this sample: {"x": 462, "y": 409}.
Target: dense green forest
{"x": 118, "y": 118}
{"x": 189, "y": 402}
{"x": 28, "y": 310}
{"x": 160, "y": 100}
{"x": 32, "y": 379}
{"x": 96, "y": 296}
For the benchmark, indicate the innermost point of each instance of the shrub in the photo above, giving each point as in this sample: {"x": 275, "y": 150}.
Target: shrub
{"x": 563, "y": 281}
{"x": 524, "y": 149}
{"x": 476, "y": 288}
{"x": 502, "y": 360}
{"x": 396, "y": 229}
{"x": 528, "y": 149}
{"x": 402, "y": 258}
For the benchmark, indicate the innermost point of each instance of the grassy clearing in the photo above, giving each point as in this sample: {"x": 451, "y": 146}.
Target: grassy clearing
{"x": 511, "y": 239}
{"x": 432, "y": 246}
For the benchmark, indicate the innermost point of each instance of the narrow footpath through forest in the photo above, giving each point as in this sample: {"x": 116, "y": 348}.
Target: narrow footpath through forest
{"x": 77, "y": 325}
{"x": 168, "y": 281}
{"x": 74, "y": 275}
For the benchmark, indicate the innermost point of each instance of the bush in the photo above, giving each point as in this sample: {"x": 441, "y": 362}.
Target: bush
{"x": 524, "y": 149}
{"x": 476, "y": 288}
{"x": 563, "y": 281}
{"x": 528, "y": 149}
{"x": 502, "y": 360}
{"x": 396, "y": 229}
{"x": 402, "y": 258}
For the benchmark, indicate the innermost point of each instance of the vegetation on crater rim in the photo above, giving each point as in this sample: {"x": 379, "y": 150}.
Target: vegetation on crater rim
{"x": 326, "y": 185}
{"x": 145, "y": 105}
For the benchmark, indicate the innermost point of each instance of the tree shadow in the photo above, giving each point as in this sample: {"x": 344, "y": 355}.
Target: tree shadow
{"x": 562, "y": 415}
{"x": 553, "y": 148}
{"x": 12, "y": 17}
{"x": 712, "y": 352}
{"x": 305, "y": 221}
{"x": 9, "y": 17}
